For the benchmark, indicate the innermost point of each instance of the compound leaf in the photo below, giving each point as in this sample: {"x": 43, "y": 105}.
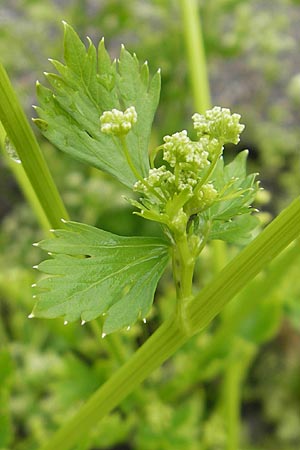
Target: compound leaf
{"x": 96, "y": 273}
{"x": 82, "y": 90}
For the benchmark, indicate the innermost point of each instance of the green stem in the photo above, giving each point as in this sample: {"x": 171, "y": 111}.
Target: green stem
{"x": 117, "y": 348}
{"x": 186, "y": 263}
{"x": 260, "y": 290}
{"x": 232, "y": 386}
{"x": 245, "y": 266}
{"x": 25, "y": 186}
{"x": 135, "y": 171}
{"x": 159, "y": 347}
{"x": 112, "y": 343}
{"x": 128, "y": 158}
{"x": 183, "y": 270}
{"x": 21, "y": 136}
{"x": 171, "y": 335}
{"x": 197, "y": 62}
{"x": 209, "y": 172}
{"x": 196, "y": 54}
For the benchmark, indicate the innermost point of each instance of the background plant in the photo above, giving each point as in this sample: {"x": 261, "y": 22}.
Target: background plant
{"x": 72, "y": 185}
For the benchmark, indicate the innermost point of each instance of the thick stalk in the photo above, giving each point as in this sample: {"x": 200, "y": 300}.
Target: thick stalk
{"x": 245, "y": 266}
{"x": 25, "y": 186}
{"x": 159, "y": 347}
{"x": 246, "y": 303}
{"x": 22, "y": 138}
{"x": 183, "y": 270}
{"x": 186, "y": 263}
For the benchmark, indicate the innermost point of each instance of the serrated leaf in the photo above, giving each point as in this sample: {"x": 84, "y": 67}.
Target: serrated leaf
{"x": 84, "y": 89}
{"x": 230, "y": 216}
{"x": 115, "y": 276}
{"x": 237, "y": 231}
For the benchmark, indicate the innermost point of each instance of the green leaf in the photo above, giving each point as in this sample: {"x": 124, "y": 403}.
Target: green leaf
{"x": 237, "y": 186}
{"x": 230, "y": 216}
{"x": 82, "y": 91}
{"x": 117, "y": 278}
{"x": 238, "y": 231}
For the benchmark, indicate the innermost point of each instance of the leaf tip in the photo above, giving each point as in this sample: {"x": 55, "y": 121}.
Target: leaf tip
{"x": 66, "y": 322}
{"x": 30, "y": 316}
{"x": 35, "y": 266}
{"x": 128, "y": 328}
{"x": 33, "y": 285}
{"x": 89, "y": 41}
{"x": 83, "y": 322}
{"x": 144, "y": 320}
{"x": 35, "y": 244}
{"x": 63, "y": 220}
{"x": 40, "y": 123}
{"x": 103, "y": 335}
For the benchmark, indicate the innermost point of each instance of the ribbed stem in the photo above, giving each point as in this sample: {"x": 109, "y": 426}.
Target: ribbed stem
{"x": 25, "y": 186}
{"x": 22, "y": 138}
{"x": 244, "y": 267}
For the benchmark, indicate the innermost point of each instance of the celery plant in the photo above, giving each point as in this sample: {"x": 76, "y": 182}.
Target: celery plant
{"x": 192, "y": 194}
{"x": 101, "y": 113}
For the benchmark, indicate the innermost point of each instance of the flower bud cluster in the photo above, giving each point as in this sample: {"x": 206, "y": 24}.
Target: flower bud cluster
{"x": 183, "y": 187}
{"x": 220, "y": 124}
{"x": 161, "y": 179}
{"x": 187, "y": 160}
{"x": 180, "y": 150}
{"x": 118, "y": 123}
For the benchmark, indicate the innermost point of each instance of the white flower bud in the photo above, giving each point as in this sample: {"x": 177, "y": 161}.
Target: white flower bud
{"x": 118, "y": 123}
{"x": 219, "y": 123}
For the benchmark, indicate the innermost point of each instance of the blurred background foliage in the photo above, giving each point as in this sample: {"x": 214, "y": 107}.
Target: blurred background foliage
{"x": 248, "y": 360}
